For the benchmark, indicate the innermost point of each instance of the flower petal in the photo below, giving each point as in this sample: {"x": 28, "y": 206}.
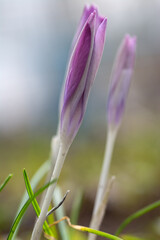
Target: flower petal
{"x": 97, "y": 55}
{"x": 78, "y": 68}
{"x": 120, "y": 80}
{"x": 85, "y": 15}
{"x": 82, "y": 69}
{"x": 78, "y": 62}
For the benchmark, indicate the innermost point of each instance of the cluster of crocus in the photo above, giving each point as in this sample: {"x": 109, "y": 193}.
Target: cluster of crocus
{"x": 87, "y": 49}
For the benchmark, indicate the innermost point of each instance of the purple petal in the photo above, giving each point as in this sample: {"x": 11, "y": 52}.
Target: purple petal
{"x": 97, "y": 54}
{"x": 93, "y": 68}
{"x": 85, "y": 15}
{"x": 83, "y": 66}
{"x": 99, "y": 40}
{"x": 122, "y": 93}
{"x": 76, "y": 118}
{"x": 78, "y": 64}
{"x": 120, "y": 80}
{"x": 125, "y": 59}
{"x": 131, "y": 45}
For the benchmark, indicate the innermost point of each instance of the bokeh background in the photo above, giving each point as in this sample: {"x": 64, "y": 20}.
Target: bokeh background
{"x": 35, "y": 39}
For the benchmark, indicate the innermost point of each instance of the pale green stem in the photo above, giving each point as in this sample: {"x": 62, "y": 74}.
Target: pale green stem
{"x": 57, "y": 193}
{"x": 52, "y": 159}
{"x": 48, "y": 197}
{"x": 97, "y": 220}
{"x": 111, "y": 136}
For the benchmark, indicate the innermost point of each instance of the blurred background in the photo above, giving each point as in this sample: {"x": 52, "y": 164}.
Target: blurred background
{"x": 35, "y": 39}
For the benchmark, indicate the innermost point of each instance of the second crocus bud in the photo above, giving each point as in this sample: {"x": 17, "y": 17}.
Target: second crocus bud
{"x": 118, "y": 91}
{"x": 87, "y": 51}
{"x": 120, "y": 81}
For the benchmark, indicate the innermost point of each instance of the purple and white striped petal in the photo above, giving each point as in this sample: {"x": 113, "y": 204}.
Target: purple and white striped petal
{"x": 82, "y": 69}
{"x": 85, "y": 15}
{"x": 97, "y": 54}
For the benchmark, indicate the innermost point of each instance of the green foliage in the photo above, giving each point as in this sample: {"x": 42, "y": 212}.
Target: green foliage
{"x": 24, "y": 208}
{"x": 137, "y": 214}
{"x": 5, "y": 182}
{"x": 35, "y": 203}
{"x": 100, "y": 233}
{"x": 34, "y": 182}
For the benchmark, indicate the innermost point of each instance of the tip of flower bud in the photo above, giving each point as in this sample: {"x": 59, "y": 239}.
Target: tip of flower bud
{"x": 91, "y": 19}
{"x": 104, "y": 21}
{"x": 94, "y": 13}
{"x": 130, "y": 41}
{"x": 91, "y": 7}
{"x": 133, "y": 41}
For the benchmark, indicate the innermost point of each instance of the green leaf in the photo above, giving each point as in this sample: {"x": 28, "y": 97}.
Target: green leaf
{"x": 76, "y": 206}
{"x": 35, "y": 203}
{"x": 24, "y": 208}
{"x": 100, "y": 233}
{"x": 5, "y": 182}
{"x": 137, "y": 214}
{"x": 34, "y": 182}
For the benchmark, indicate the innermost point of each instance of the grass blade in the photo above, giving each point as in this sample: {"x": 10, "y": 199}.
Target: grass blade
{"x": 76, "y": 206}
{"x": 35, "y": 203}
{"x": 137, "y": 214}
{"x": 99, "y": 233}
{"x": 5, "y": 181}
{"x": 34, "y": 182}
{"x": 24, "y": 208}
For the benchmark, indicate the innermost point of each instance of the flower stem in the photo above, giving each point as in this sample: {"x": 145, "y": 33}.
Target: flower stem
{"x": 97, "y": 220}
{"x": 111, "y": 136}
{"x": 52, "y": 160}
{"x": 55, "y": 175}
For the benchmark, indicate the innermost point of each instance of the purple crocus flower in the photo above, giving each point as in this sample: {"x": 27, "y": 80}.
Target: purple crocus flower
{"x": 87, "y": 51}
{"x": 120, "y": 80}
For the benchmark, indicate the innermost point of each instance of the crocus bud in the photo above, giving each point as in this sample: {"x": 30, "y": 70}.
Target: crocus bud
{"x": 83, "y": 65}
{"x": 120, "y": 80}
